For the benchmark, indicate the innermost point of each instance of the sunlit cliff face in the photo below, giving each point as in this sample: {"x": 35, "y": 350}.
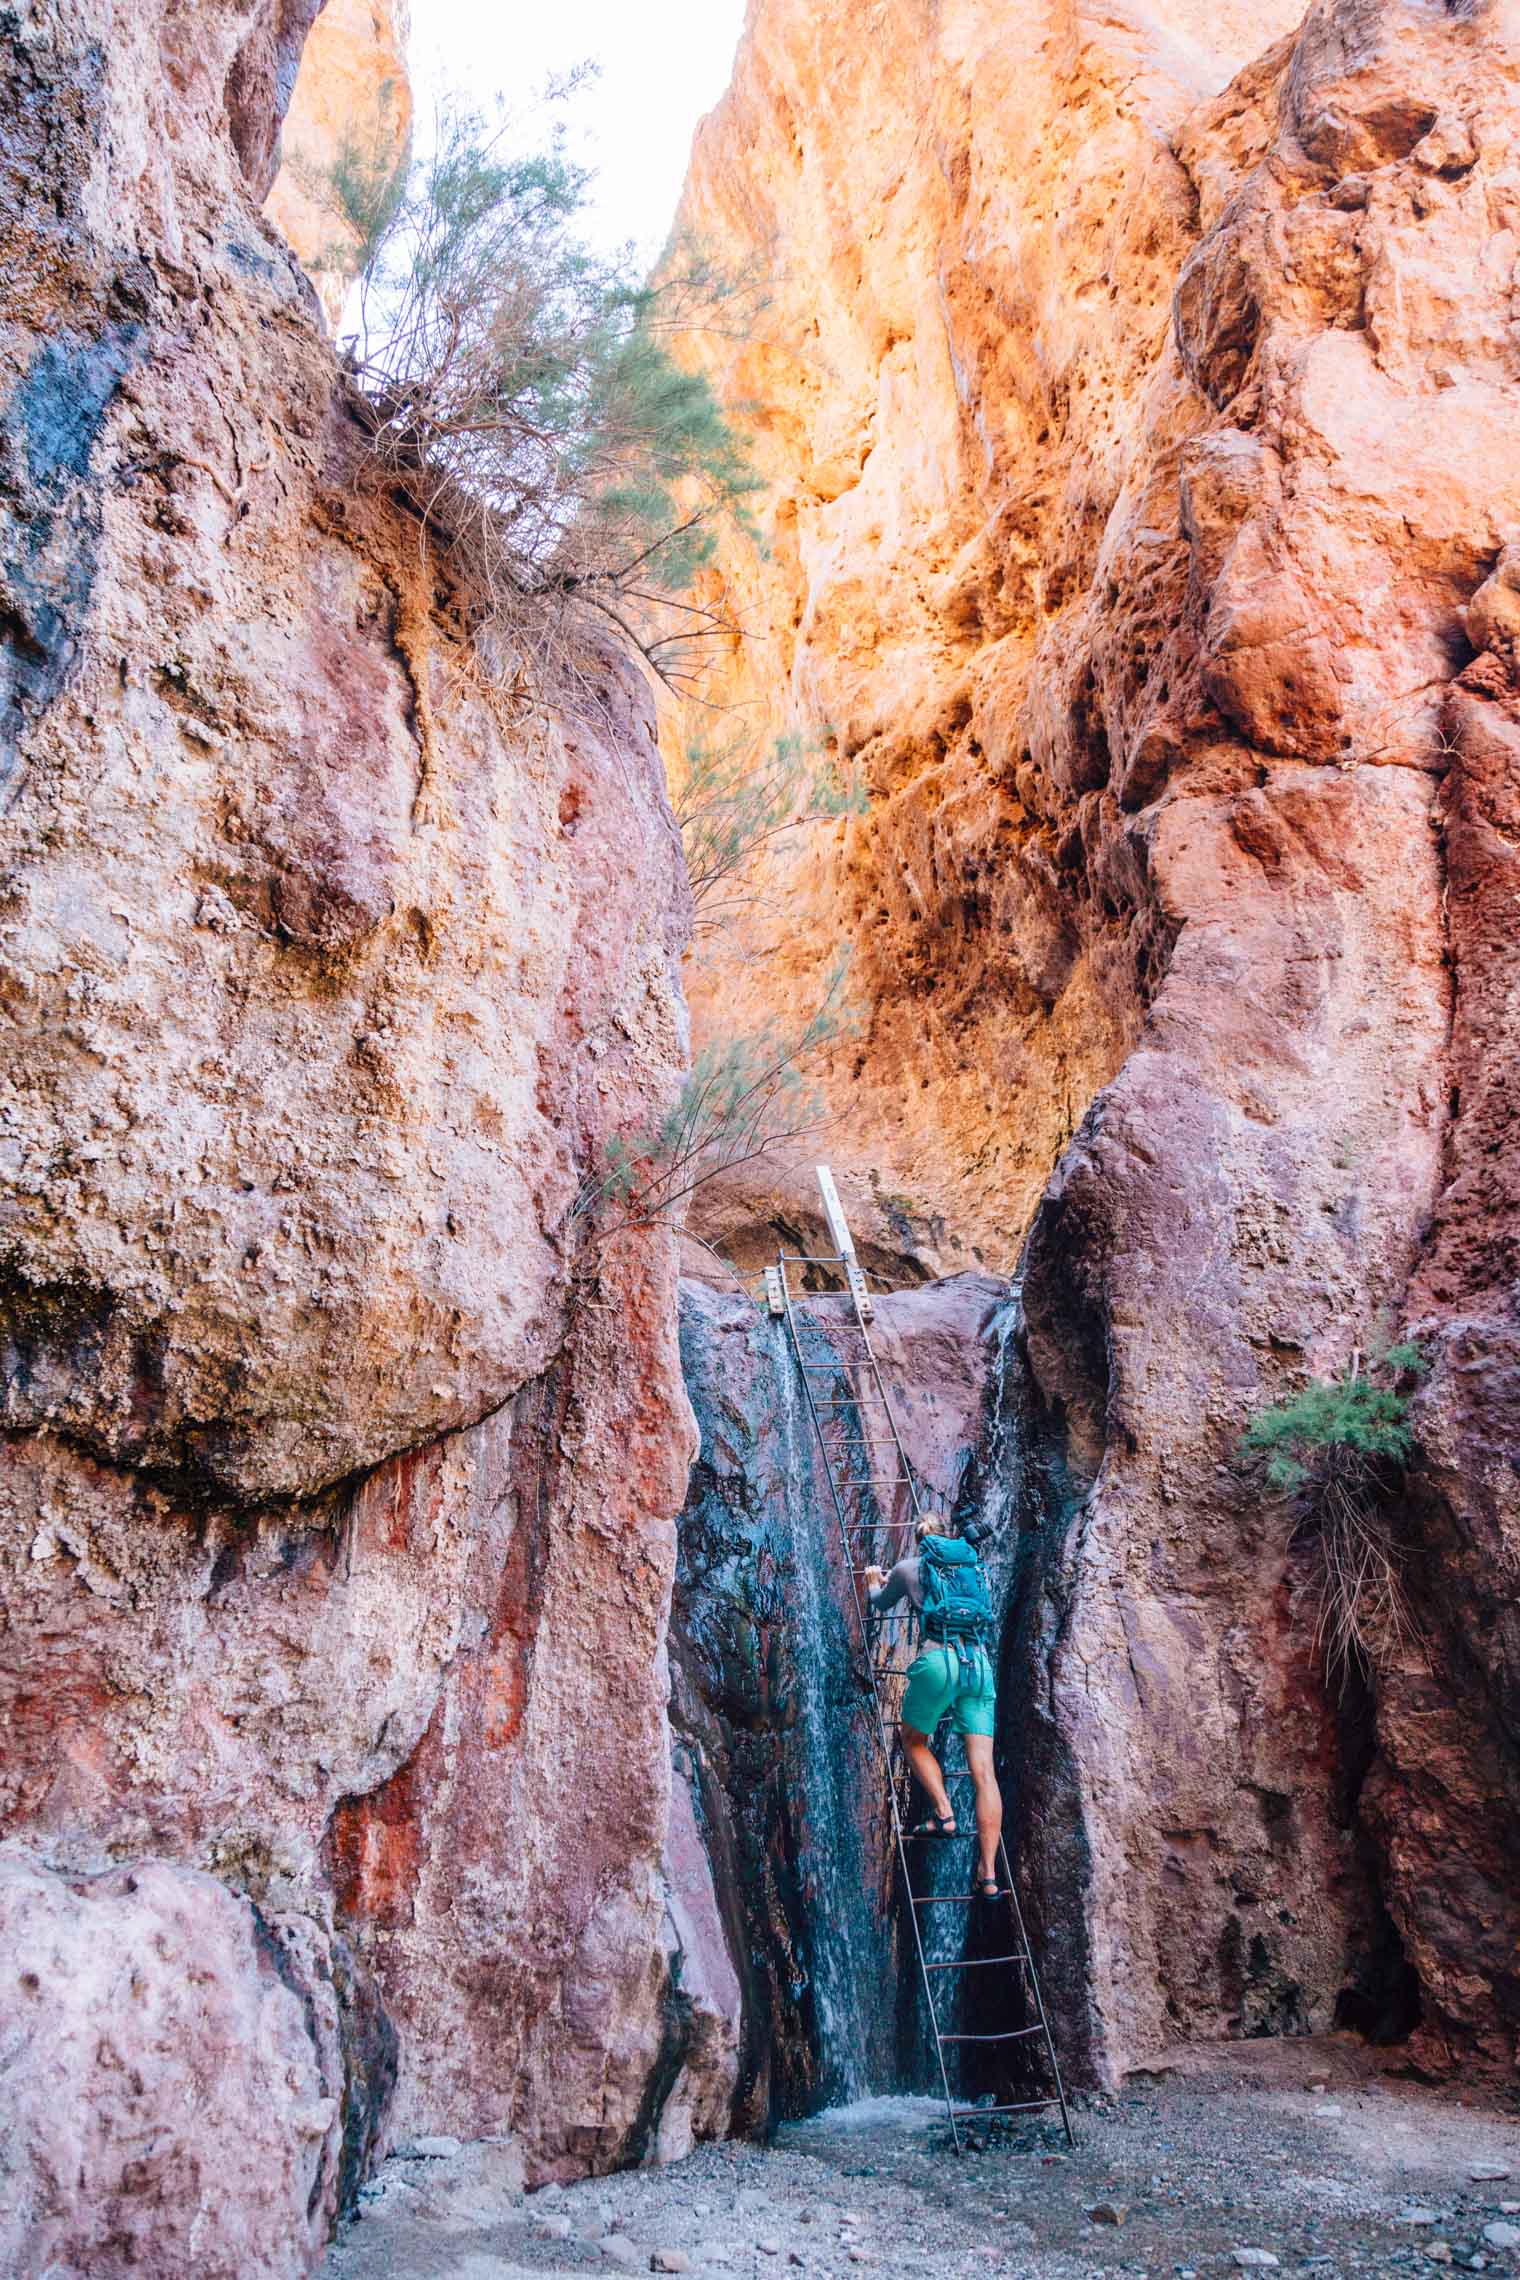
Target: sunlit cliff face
{"x": 1138, "y": 404}
{"x": 349, "y": 124}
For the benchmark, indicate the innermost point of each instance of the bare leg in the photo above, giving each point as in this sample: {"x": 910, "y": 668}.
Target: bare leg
{"x": 926, "y": 1765}
{"x": 989, "y": 1800}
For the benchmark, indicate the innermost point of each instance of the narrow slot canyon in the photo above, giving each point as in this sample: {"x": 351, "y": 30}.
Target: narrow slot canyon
{"x": 935, "y": 593}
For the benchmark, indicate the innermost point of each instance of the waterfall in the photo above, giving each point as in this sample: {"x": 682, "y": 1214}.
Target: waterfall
{"x": 769, "y": 1701}
{"x": 850, "y": 1948}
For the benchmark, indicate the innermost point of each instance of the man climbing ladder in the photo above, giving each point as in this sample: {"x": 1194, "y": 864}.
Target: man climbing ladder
{"x": 879, "y": 1503}
{"x": 951, "y": 1676}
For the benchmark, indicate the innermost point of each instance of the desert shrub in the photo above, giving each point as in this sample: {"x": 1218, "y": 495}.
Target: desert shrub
{"x": 1338, "y": 1450}
{"x": 735, "y": 798}
{"x": 746, "y": 1097}
{"x": 527, "y": 394}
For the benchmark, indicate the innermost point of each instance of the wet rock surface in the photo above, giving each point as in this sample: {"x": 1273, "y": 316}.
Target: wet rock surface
{"x": 1219, "y": 2167}
{"x": 773, "y": 1725}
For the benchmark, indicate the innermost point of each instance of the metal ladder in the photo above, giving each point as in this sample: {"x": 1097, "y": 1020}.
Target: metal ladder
{"x": 878, "y": 1499}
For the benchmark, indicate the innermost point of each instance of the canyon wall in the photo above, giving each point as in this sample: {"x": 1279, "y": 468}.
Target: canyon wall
{"x": 345, "y": 134}
{"x": 1137, "y": 400}
{"x": 336, "y": 1525}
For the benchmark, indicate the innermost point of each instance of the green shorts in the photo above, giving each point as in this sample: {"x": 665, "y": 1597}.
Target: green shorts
{"x": 957, "y": 1680}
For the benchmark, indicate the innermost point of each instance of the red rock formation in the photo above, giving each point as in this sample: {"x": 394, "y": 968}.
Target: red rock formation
{"x": 1446, "y": 1795}
{"x": 1143, "y": 442}
{"x": 336, "y": 1543}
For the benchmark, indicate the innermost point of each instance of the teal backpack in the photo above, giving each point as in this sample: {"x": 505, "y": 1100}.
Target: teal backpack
{"x": 956, "y": 1601}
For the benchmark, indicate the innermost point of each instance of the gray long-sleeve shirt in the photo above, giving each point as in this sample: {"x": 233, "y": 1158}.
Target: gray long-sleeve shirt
{"x": 903, "y": 1582}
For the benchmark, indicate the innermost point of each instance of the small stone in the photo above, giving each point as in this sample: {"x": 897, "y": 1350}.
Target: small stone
{"x": 1450, "y": 147}
{"x": 1255, "y": 2259}
{"x": 1328, "y": 2113}
{"x": 795, "y": 2256}
{"x": 1438, "y": 2251}
{"x": 669, "y": 2260}
{"x": 431, "y": 2149}
{"x": 1502, "y": 2236}
{"x": 1510, "y": 2208}
{"x": 860, "y": 2256}
{"x": 1413, "y": 2214}
{"x": 619, "y": 2250}
{"x": 1479, "y": 2170}
{"x": 553, "y": 2228}
{"x": 768, "y": 2247}
{"x": 1107, "y": 2213}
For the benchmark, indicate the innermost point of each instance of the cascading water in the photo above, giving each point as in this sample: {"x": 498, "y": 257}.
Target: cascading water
{"x": 851, "y": 1947}
{"x": 766, "y": 1709}
{"x": 769, "y": 1701}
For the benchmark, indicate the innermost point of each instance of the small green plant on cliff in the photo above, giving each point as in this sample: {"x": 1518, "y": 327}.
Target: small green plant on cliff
{"x": 735, "y": 799}
{"x": 527, "y": 396}
{"x": 1338, "y": 1450}
{"x": 746, "y": 1098}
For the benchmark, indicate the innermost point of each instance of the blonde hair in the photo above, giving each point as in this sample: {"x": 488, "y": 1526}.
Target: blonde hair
{"x": 932, "y": 1525}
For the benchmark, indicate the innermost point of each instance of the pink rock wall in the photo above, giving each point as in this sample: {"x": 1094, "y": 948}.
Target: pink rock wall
{"x": 335, "y": 1542}
{"x": 1326, "y": 481}
{"x": 172, "y": 2079}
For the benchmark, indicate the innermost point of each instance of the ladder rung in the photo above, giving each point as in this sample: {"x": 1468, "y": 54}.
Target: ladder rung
{"x": 978, "y": 1962}
{"x": 955, "y": 1899}
{"x": 1027, "y": 2106}
{"x": 1014, "y": 2034}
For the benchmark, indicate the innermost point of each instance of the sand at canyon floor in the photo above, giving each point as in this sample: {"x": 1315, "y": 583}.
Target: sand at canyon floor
{"x": 1319, "y": 2155}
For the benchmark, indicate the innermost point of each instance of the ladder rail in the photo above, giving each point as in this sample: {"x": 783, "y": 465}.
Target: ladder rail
{"x": 868, "y": 1353}
{"x": 878, "y": 1676}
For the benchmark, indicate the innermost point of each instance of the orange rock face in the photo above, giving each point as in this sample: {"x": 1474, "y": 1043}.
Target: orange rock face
{"x": 1138, "y": 402}
{"x": 350, "y": 115}
{"x": 973, "y": 226}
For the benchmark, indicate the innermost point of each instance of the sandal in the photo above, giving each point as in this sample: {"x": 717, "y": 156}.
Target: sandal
{"x": 987, "y": 1887}
{"x": 937, "y": 1825}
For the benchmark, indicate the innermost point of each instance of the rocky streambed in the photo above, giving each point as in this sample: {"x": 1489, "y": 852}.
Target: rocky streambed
{"x": 1300, "y": 2157}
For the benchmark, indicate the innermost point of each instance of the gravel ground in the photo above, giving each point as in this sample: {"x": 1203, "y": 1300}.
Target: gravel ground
{"x": 1296, "y": 2155}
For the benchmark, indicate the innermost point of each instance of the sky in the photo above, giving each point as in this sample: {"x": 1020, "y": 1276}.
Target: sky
{"x": 662, "y": 65}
